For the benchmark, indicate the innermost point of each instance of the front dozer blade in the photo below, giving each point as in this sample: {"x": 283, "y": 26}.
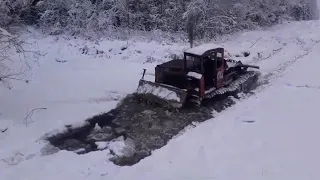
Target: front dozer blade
{"x": 162, "y": 94}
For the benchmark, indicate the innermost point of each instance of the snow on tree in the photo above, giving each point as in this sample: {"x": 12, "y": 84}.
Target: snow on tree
{"x": 196, "y": 10}
{"x": 214, "y": 17}
{"x": 5, "y": 34}
{"x": 7, "y": 41}
{"x": 14, "y": 58}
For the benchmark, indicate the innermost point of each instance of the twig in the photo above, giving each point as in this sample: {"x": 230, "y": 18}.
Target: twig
{"x": 29, "y": 115}
{"x": 11, "y": 161}
{"x": 13, "y": 76}
{"x": 7, "y": 45}
{"x": 255, "y": 42}
{"x": 4, "y": 130}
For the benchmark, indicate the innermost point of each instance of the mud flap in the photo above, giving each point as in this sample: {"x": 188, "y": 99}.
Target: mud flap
{"x": 165, "y": 95}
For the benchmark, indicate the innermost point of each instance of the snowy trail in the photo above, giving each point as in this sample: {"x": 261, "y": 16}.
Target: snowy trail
{"x": 280, "y": 143}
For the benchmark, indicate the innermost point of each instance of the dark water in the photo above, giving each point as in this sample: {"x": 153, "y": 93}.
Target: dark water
{"x": 145, "y": 127}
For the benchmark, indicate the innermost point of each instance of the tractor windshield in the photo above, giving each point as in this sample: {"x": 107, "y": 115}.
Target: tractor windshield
{"x": 193, "y": 63}
{"x": 194, "y": 60}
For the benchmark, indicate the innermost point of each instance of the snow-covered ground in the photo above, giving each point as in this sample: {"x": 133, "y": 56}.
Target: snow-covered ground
{"x": 280, "y": 143}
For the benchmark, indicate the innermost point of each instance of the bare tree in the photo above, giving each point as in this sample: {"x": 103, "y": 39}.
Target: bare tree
{"x": 194, "y": 12}
{"x": 199, "y": 18}
{"x": 191, "y": 24}
{"x": 11, "y": 50}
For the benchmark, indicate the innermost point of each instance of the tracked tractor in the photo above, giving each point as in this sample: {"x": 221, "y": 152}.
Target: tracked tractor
{"x": 202, "y": 74}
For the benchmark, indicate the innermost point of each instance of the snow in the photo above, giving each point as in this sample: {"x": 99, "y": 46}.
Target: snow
{"x": 97, "y": 127}
{"x": 159, "y": 91}
{"x": 231, "y": 64}
{"x": 199, "y": 50}
{"x": 4, "y": 32}
{"x": 117, "y": 146}
{"x": 80, "y": 150}
{"x": 281, "y": 142}
{"x": 195, "y": 75}
{"x": 102, "y": 145}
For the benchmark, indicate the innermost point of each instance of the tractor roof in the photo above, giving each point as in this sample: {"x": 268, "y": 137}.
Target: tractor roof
{"x": 200, "y": 50}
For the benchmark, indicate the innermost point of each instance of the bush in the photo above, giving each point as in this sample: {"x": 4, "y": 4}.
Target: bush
{"x": 213, "y": 17}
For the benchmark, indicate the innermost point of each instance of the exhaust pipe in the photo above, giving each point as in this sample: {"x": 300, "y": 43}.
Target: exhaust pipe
{"x": 144, "y": 72}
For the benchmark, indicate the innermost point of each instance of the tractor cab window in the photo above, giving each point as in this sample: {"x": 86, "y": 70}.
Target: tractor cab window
{"x": 219, "y": 60}
{"x": 194, "y": 63}
{"x": 195, "y": 60}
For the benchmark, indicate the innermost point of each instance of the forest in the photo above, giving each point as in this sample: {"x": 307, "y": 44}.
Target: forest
{"x": 199, "y": 18}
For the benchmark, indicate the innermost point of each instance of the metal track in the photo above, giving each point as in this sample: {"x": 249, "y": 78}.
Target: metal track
{"x": 242, "y": 83}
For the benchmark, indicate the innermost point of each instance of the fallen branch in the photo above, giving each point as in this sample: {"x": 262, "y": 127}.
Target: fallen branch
{"x": 14, "y": 160}
{"x": 29, "y": 115}
{"x": 4, "y": 130}
{"x": 11, "y": 46}
{"x": 255, "y": 42}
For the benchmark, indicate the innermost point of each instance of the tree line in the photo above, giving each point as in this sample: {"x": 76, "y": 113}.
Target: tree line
{"x": 201, "y": 18}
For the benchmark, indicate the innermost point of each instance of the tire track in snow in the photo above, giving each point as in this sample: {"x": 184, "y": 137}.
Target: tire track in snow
{"x": 274, "y": 52}
{"x": 268, "y": 79}
{"x": 303, "y": 86}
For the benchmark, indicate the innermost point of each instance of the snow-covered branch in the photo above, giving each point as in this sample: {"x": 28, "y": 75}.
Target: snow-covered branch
{"x": 5, "y": 33}
{"x": 101, "y": 16}
{"x": 11, "y": 51}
